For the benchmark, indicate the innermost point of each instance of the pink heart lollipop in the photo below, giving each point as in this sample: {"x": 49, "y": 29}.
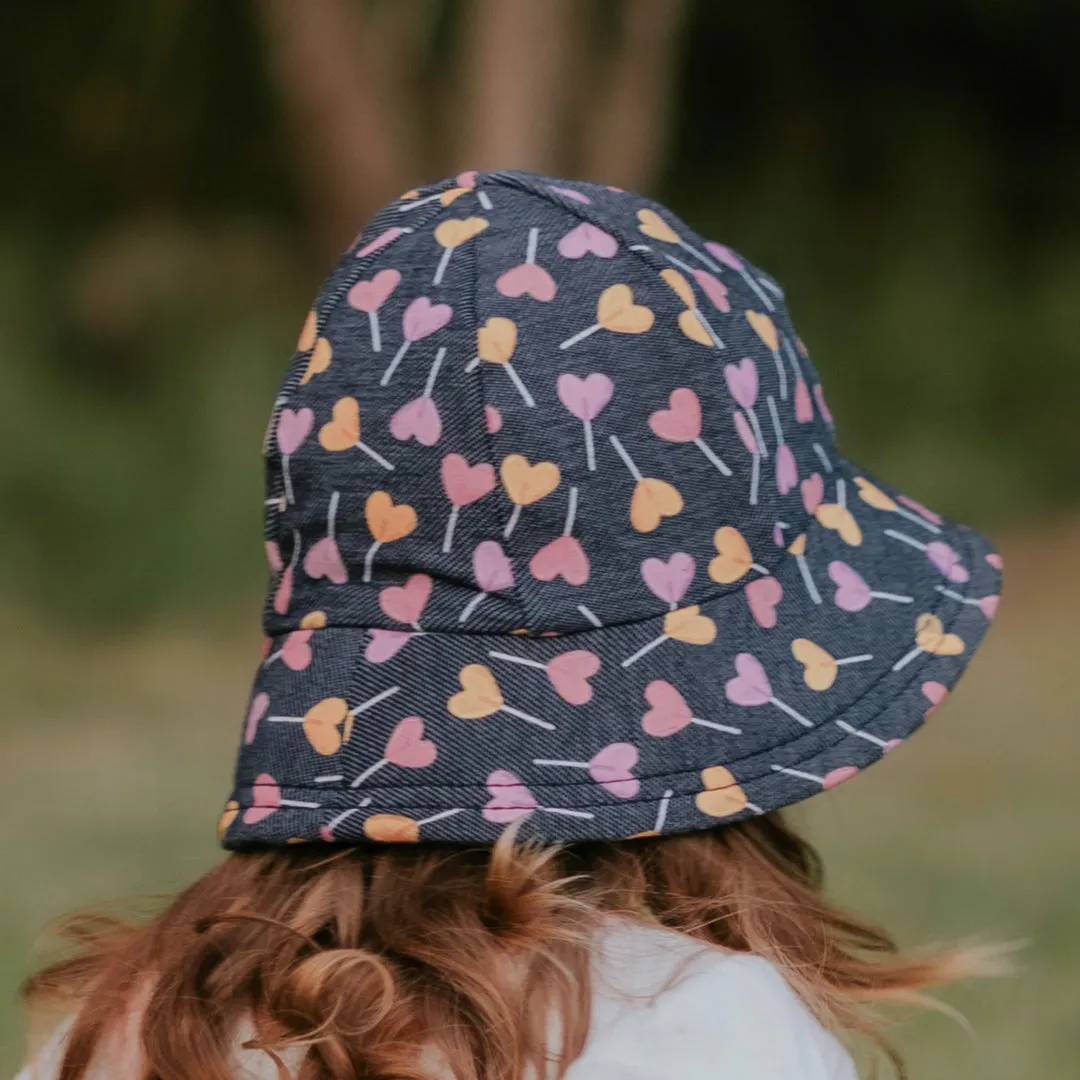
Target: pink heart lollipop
{"x": 587, "y": 239}
{"x": 406, "y": 603}
{"x": 935, "y": 693}
{"x": 763, "y": 594}
{"x": 564, "y": 556}
{"x": 829, "y": 780}
{"x": 713, "y": 288}
{"x": 493, "y": 572}
{"x": 292, "y": 429}
{"x": 419, "y": 419}
{"x": 528, "y": 279}
{"x": 942, "y": 557}
{"x": 383, "y": 644}
{"x": 585, "y": 398}
{"x": 670, "y": 713}
{"x": 511, "y": 799}
{"x": 988, "y": 605}
{"x": 669, "y": 581}
{"x": 382, "y": 240}
{"x": 611, "y": 768}
{"x": 569, "y": 673}
{"x": 732, "y": 261}
{"x": 680, "y": 422}
{"x": 295, "y": 653}
{"x": 463, "y": 484}
{"x": 751, "y": 687}
{"x": 813, "y": 492}
{"x": 323, "y": 559}
{"x": 260, "y": 705}
{"x": 407, "y": 748}
{"x": 266, "y": 799}
{"x": 369, "y": 296}
{"x": 422, "y": 318}
{"x": 787, "y": 472}
{"x": 852, "y": 592}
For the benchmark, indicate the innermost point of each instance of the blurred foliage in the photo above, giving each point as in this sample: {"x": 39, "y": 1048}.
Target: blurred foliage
{"x": 909, "y": 172}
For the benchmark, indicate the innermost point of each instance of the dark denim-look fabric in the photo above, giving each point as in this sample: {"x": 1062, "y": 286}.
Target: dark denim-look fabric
{"x": 411, "y": 707}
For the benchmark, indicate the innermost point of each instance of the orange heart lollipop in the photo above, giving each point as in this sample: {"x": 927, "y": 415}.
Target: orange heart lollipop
{"x": 615, "y": 311}
{"x": 386, "y": 523}
{"x": 722, "y": 796}
{"x": 653, "y": 500}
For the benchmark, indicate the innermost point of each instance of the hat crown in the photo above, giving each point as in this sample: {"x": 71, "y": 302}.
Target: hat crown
{"x": 484, "y": 397}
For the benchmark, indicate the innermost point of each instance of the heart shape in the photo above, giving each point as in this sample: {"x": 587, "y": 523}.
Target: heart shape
{"x": 680, "y": 286}
{"x": 451, "y": 195}
{"x": 283, "y": 593}
{"x": 228, "y": 816}
{"x": 371, "y": 295}
{"x": 457, "y": 231}
{"x": 935, "y": 693}
{"x": 724, "y": 255}
{"x": 385, "y": 521}
{"x": 681, "y": 421}
{"x": 689, "y": 626}
{"x": 496, "y": 340}
{"x": 323, "y": 560}
{"x": 733, "y": 559}
{"x": 407, "y": 746}
{"x": 527, "y": 279}
{"x": 385, "y": 644}
{"x": 813, "y": 491}
{"x": 273, "y": 556}
{"x": 342, "y": 432}
{"x": 491, "y": 567}
{"x": 852, "y": 591}
{"x": 308, "y": 332}
{"x": 563, "y": 557}
{"x": 654, "y": 226}
{"x": 787, "y": 472}
{"x": 296, "y": 652}
{"x": 839, "y": 519}
{"x": 586, "y": 239}
{"x": 763, "y": 594}
{"x": 692, "y": 326}
{"x": 873, "y": 496}
{"x": 764, "y": 328}
{"x": 819, "y": 397}
{"x": 804, "y": 409}
{"x": 947, "y": 561}
{"x": 616, "y": 310}
{"x": 406, "y": 603}
{"x": 260, "y": 703}
{"x": 479, "y": 695}
{"x": 742, "y": 381}
{"x": 293, "y": 428}
{"x": 265, "y": 799}
{"x": 391, "y": 829}
{"x": 422, "y": 318}
{"x": 525, "y": 483}
{"x": 722, "y": 796}
{"x": 839, "y": 775}
{"x": 652, "y": 501}
{"x": 714, "y": 289}
{"x": 313, "y": 620}
{"x": 988, "y": 605}
{"x": 612, "y": 768}
{"x": 464, "y": 483}
{"x": 322, "y": 724}
{"x": 585, "y": 398}
{"x": 996, "y": 561}
{"x": 669, "y": 580}
{"x": 911, "y": 504}
{"x": 819, "y": 665}
{"x": 417, "y": 419}
{"x": 510, "y": 798}
{"x": 746, "y": 433}
{"x": 669, "y": 713}
{"x": 570, "y": 673}
{"x": 930, "y": 636}
{"x": 319, "y": 360}
{"x": 751, "y": 685}
{"x": 493, "y": 420}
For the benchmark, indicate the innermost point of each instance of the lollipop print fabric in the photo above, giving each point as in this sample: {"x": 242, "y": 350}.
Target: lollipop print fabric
{"x": 559, "y": 534}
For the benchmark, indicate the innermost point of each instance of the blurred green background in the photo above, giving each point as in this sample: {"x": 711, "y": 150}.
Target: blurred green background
{"x": 179, "y": 175}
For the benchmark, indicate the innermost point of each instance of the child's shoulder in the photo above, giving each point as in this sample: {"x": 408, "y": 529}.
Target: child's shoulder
{"x": 665, "y": 1004}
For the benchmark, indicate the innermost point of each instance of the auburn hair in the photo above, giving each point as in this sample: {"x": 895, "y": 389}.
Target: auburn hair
{"x": 379, "y": 962}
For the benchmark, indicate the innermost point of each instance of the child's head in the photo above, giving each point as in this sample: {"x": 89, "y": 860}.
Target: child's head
{"x": 562, "y": 544}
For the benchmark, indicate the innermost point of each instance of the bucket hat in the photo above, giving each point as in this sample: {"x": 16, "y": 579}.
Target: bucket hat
{"x": 559, "y": 531}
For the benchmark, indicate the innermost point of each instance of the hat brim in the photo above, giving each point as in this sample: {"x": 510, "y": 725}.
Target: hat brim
{"x": 681, "y": 774}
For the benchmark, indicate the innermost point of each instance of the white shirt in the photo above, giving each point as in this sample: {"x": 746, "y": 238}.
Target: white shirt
{"x": 665, "y": 1007}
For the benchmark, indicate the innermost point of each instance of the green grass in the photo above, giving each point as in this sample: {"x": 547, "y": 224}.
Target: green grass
{"x": 115, "y": 756}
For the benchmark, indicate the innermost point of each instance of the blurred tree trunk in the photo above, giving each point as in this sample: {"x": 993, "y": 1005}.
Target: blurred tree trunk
{"x": 554, "y": 86}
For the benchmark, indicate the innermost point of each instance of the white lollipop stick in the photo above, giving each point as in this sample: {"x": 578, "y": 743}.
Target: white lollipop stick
{"x": 845, "y": 726}
{"x": 906, "y": 659}
{"x": 912, "y": 516}
{"x": 328, "y": 779}
{"x": 796, "y": 371}
{"x": 757, "y": 289}
{"x": 444, "y": 262}
{"x": 433, "y": 374}
{"x": 439, "y": 816}
{"x": 279, "y": 502}
{"x": 808, "y": 579}
{"x": 375, "y": 456}
{"x": 571, "y": 512}
{"x": 800, "y": 774}
{"x": 781, "y": 373}
{"x": 775, "y": 414}
{"x": 470, "y": 607}
{"x": 510, "y": 659}
{"x": 288, "y": 479}
{"x": 628, "y": 461}
{"x": 726, "y": 728}
{"x": 376, "y": 337}
{"x": 581, "y": 336}
{"x": 530, "y": 250}
{"x": 661, "y": 814}
{"x": 590, "y": 616}
{"x": 521, "y": 388}
{"x": 699, "y": 255}
{"x": 895, "y": 597}
{"x": 562, "y": 764}
{"x": 345, "y": 814}
{"x": 708, "y": 326}
{"x": 388, "y": 374}
{"x": 641, "y": 247}
{"x": 369, "y": 559}
{"x": 370, "y": 771}
{"x": 527, "y": 718}
{"x": 515, "y": 517}
{"x": 958, "y": 597}
{"x": 300, "y": 804}
{"x": 451, "y": 524}
{"x": 771, "y": 286}
{"x": 362, "y": 707}
{"x": 905, "y": 539}
{"x": 711, "y": 455}
{"x": 826, "y": 464}
{"x": 790, "y": 711}
{"x": 485, "y": 202}
{"x": 854, "y": 659}
{"x": 590, "y": 447}
{"x": 755, "y": 478}
{"x": 763, "y": 449}
{"x": 841, "y": 493}
{"x": 565, "y": 813}
{"x": 645, "y": 649}
{"x": 410, "y": 203}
